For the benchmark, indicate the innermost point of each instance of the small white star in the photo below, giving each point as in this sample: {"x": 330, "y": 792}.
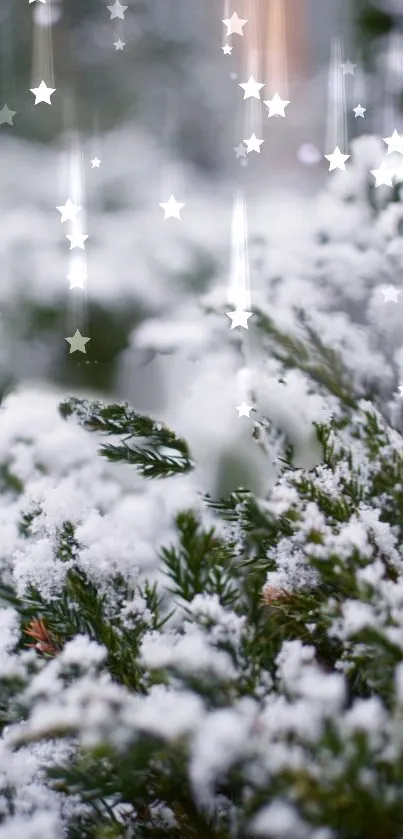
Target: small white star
{"x": 227, "y": 49}
{"x": 359, "y": 111}
{"x": 348, "y": 68}
{"x": 240, "y": 150}
{"x": 77, "y": 342}
{"x": 253, "y": 144}
{"x": 42, "y": 93}
{"x": 68, "y": 211}
{"x": 117, "y": 10}
{"x": 119, "y": 45}
{"x": 276, "y": 105}
{"x": 234, "y": 25}
{"x": 76, "y": 240}
{"x": 172, "y": 208}
{"x": 383, "y": 176}
{"x": 6, "y": 116}
{"x": 77, "y": 277}
{"x": 337, "y": 160}
{"x": 251, "y": 88}
{"x": 390, "y": 293}
{"x": 95, "y": 163}
{"x": 244, "y": 409}
{"x": 239, "y": 318}
{"x": 400, "y": 389}
{"x": 394, "y": 143}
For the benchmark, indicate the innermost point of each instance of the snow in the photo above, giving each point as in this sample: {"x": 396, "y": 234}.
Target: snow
{"x": 192, "y": 653}
{"x": 366, "y": 715}
{"x": 165, "y": 713}
{"x": 199, "y": 372}
{"x": 83, "y": 653}
{"x": 279, "y": 819}
{"x": 40, "y": 826}
{"x": 221, "y": 740}
{"x": 223, "y": 626}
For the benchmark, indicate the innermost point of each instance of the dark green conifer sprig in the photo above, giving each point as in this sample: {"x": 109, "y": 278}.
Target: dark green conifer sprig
{"x": 225, "y": 568}
{"x": 202, "y": 563}
{"x": 160, "y": 455}
{"x": 311, "y": 356}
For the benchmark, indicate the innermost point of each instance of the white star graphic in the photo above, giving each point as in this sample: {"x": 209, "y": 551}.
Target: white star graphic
{"x": 394, "y": 143}
{"x": 234, "y": 25}
{"x": 172, "y": 208}
{"x": 77, "y": 277}
{"x": 253, "y": 144}
{"x": 244, "y": 409}
{"x": 400, "y": 389}
{"x": 348, "y": 68}
{"x": 227, "y": 50}
{"x": 239, "y": 318}
{"x": 42, "y": 93}
{"x": 117, "y": 10}
{"x": 76, "y": 240}
{"x": 68, "y": 211}
{"x": 337, "y": 160}
{"x": 95, "y": 163}
{"x": 390, "y": 294}
{"x": 276, "y": 105}
{"x": 359, "y": 111}
{"x": 77, "y": 342}
{"x": 383, "y": 176}
{"x": 240, "y": 150}
{"x": 119, "y": 45}
{"x": 251, "y": 88}
{"x": 7, "y": 116}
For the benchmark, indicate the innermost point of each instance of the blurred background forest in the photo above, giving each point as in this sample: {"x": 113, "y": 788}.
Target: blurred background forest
{"x": 163, "y": 116}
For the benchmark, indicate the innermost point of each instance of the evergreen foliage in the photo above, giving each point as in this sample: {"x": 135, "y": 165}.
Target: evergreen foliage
{"x": 257, "y": 690}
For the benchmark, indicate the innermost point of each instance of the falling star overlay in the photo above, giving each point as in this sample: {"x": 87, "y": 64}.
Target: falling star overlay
{"x": 254, "y": 46}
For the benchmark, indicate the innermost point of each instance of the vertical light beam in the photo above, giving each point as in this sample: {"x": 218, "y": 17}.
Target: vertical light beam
{"x": 336, "y": 124}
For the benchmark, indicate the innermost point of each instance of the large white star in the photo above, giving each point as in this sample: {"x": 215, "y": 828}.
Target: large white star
{"x": 251, "y": 88}
{"x": 240, "y": 150}
{"x": 42, "y": 93}
{"x": 383, "y": 176}
{"x": 77, "y": 342}
{"x": 276, "y": 105}
{"x": 68, "y": 211}
{"x": 337, "y": 160}
{"x": 77, "y": 277}
{"x": 253, "y": 144}
{"x": 244, "y": 409}
{"x": 7, "y": 116}
{"x": 234, "y": 25}
{"x": 76, "y": 240}
{"x": 348, "y": 68}
{"x": 117, "y": 10}
{"x": 390, "y": 294}
{"x": 394, "y": 143}
{"x": 172, "y": 208}
{"x": 239, "y": 318}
